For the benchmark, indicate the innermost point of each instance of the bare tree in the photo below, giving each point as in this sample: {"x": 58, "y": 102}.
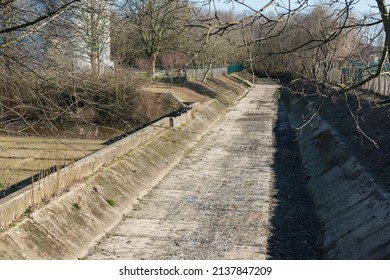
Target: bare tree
{"x": 206, "y": 49}
{"x": 300, "y": 37}
{"x": 173, "y": 61}
{"x": 275, "y": 18}
{"x": 48, "y": 48}
{"x": 156, "y": 25}
{"x": 81, "y": 35}
{"x": 93, "y": 22}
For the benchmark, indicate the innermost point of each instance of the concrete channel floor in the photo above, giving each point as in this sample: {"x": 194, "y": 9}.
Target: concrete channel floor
{"x": 215, "y": 203}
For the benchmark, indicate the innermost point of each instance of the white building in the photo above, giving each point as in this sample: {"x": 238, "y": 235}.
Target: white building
{"x": 75, "y": 35}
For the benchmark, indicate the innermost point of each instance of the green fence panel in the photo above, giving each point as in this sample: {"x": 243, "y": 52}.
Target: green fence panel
{"x": 235, "y": 68}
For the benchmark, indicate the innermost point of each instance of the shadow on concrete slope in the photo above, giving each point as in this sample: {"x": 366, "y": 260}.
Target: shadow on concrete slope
{"x": 296, "y": 232}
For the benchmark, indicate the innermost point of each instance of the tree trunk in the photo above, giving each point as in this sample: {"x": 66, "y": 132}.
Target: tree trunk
{"x": 94, "y": 64}
{"x": 207, "y": 72}
{"x": 153, "y": 66}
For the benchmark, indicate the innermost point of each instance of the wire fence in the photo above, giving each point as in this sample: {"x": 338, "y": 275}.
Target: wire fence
{"x": 197, "y": 74}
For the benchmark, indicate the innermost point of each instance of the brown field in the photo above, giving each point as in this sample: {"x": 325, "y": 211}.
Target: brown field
{"x": 21, "y": 158}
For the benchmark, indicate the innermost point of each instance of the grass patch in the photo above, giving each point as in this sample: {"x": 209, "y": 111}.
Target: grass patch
{"x": 187, "y": 151}
{"x": 111, "y": 202}
{"x": 76, "y": 205}
{"x": 28, "y": 211}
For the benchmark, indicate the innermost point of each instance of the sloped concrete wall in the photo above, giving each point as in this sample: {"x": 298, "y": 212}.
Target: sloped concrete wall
{"x": 70, "y": 223}
{"x": 354, "y": 208}
{"x": 17, "y": 204}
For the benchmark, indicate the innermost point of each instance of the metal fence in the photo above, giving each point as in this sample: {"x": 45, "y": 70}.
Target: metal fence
{"x": 197, "y": 74}
{"x": 354, "y": 75}
{"x": 235, "y": 68}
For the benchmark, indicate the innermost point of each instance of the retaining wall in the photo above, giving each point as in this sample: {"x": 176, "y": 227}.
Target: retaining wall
{"x": 354, "y": 209}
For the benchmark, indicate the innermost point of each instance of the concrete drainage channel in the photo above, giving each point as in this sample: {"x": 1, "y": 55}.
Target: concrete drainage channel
{"x": 98, "y": 190}
{"x": 354, "y": 209}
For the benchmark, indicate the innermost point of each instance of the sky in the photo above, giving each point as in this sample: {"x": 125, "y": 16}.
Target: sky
{"x": 362, "y": 5}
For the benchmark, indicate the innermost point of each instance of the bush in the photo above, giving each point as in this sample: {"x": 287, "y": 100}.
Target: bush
{"x": 31, "y": 101}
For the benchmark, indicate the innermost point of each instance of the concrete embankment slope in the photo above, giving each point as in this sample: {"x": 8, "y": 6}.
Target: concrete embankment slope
{"x": 354, "y": 208}
{"x": 66, "y": 226}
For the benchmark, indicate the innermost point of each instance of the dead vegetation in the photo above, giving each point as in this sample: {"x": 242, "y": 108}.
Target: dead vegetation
{"x": 78, "y": 106}
{"x": 97, "y": 106}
